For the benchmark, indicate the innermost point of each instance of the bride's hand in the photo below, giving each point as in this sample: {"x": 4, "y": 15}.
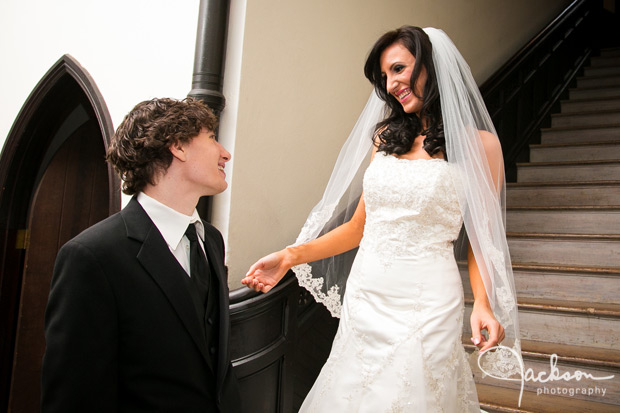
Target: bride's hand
{"x": 266, "y": 272}
{"x": 482, "y": 319}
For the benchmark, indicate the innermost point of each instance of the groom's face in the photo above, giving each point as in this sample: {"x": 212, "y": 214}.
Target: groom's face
{"x": 205, "y": 163}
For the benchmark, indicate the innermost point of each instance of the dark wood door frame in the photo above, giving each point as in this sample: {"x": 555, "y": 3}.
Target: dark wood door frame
{"x": 27, "y": 148}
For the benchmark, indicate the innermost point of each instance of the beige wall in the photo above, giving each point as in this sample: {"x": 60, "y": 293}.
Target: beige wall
{"x": 302, "y": 88}
{"x": 120, "y": 43}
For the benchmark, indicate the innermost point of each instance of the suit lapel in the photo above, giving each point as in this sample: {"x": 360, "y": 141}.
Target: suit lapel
{"x": 158, "y": 261}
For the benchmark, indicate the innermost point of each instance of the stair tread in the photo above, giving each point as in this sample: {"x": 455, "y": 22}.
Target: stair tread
{"x": 611, "y": 237}
{"x": 556, "y": 268}
{"x": 583, "y": 88}
{"x": 613, "y": 75}
{"x": 498, "y": 399}
{"x": 573, "y": 144}
{"x": 588, "y": 100}
{"x": 585, "y": 113}
{"x": 562, "y": 183}
{"x": 585, "y": 208}
{"x": 564, "y": 306}
{"x": 593, "y": 356}
{"x": 600, "y": 57}
{"x": 605, "y": 61}
{"x": 570, "y": 163}
{"x": 581, "y": 307}
{"x": 581, "y": 127}
{"x": 563, "y": 236}
{"x": 566, "y": 268}
{"x": 575, "y": 354}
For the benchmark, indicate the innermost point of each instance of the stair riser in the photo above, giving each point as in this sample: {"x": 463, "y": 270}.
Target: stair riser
{"x": 594, "y": 105}
{"x": 569, "y": 173}
{"x": 605, "y": 61}
{"x": 561, "y": 388}
{"x": 598, "y": 81}
{"x": 577, "y": 252}
{"x": 560, "y": 286}
{"x": 606, "y": 92}
{"x": 550, "y": 136}
{"x": 575, "y": 153}
{"x": 602, "y": 71}
{"x": 586, "y": 120}
{"x": 564, "y": 196}
{"x": 564, "y": 222}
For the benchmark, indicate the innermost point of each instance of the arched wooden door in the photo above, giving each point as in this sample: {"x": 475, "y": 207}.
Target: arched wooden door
{"x": 55, "y": 183}
{"x": 71, "y": 196}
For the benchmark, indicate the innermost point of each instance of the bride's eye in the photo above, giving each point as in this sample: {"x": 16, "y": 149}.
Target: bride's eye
{"x": 398, "y": 68}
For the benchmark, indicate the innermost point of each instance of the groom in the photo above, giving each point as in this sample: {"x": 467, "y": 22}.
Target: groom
{"x": 137, "y": 318}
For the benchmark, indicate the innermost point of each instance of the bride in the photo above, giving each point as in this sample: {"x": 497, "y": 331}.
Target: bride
{"x": 426, "y": 156}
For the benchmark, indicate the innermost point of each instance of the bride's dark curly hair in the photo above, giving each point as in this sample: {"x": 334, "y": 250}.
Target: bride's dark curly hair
{"x": 399, "y": 129}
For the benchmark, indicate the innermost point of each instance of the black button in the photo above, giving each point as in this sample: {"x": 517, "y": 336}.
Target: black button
{"x": 212, "y": 350}
{"x": 210, "y": 321}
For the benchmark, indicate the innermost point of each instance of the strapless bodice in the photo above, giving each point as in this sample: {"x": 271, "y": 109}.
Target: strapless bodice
{"x": 412, "y": 207}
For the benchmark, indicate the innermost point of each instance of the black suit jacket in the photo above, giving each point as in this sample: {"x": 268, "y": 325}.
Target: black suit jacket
{"x": 121, "y": 329}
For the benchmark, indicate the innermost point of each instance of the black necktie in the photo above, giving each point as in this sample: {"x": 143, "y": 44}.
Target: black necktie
{"x": 204, "y": 294}
{"x": 198, "y": 264}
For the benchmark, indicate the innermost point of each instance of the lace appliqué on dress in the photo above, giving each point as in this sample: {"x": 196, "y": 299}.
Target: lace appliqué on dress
{"x": 411, "y": 208}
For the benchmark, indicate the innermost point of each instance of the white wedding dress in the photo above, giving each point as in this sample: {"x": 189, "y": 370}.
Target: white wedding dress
{"x": 398, "y": 347}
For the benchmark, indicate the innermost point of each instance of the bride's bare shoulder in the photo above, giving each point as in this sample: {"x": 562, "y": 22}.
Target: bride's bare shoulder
{"x": 490, "y": 142}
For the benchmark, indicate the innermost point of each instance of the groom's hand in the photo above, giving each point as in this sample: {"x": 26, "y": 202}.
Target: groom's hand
{"x": 266, "y": 272}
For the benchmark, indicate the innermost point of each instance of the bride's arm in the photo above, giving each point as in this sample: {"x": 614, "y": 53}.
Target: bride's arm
{"x": 341, "y": 239}
{"x": 482, "y": 315}
{"x": 269, "y": 270}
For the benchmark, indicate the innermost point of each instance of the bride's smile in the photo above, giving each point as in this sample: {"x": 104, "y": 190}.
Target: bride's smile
{"x": 397, "y": 66}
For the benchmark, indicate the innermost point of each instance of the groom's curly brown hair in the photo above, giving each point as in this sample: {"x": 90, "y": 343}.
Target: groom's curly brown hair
{"x": 139, "y": 150}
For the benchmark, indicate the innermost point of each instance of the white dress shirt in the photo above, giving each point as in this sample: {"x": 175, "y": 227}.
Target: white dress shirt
{"x": 172, "y": 225}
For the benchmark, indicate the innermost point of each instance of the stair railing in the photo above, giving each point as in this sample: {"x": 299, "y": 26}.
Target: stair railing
{"x": 522, "y": 94}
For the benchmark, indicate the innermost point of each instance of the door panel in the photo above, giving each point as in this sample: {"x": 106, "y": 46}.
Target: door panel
{"x": 71, "y": 196}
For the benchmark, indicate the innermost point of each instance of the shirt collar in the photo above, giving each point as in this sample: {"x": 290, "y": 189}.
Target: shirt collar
{"x": 170, "y": 223}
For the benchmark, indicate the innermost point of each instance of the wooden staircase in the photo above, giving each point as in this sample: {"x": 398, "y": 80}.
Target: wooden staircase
{"x": 563, "y": 223}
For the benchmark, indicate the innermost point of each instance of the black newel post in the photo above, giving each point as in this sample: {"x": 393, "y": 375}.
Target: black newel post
{"x": 208, "y": 76}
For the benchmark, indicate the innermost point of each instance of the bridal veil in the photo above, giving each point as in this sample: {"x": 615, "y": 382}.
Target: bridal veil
{"x": 479, "y": 179}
